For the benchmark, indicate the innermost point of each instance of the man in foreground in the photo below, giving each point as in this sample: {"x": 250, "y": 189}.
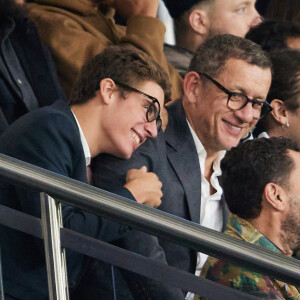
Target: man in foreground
{"x": 105, "y": 116}
{"x": 261, "y": 184}
{"x": 224, "y": 94}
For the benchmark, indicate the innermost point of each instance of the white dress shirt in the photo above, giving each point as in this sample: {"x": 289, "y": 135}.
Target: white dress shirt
{"x": 85, "y": 146}
{"x": 211, "y": 209}
{"x": 263, "y": 135}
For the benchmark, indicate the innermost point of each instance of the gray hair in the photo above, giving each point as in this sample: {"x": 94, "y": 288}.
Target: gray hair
{"x": 212, "y": 55}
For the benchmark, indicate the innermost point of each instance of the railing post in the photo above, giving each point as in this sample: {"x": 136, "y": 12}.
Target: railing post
{"x": 1, "y": 279}
{"x": 55, "y": 256}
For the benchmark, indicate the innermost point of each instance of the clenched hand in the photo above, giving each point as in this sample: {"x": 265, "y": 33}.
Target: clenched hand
{"x": 144, "y": 186}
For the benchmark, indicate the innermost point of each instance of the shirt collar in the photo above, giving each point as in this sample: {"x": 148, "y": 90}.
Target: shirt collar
{"x": 248, "y": 233}
{"x": 85, "y": 146}
{"x": 263, "y": 135}
{"x": 202, "y": 152}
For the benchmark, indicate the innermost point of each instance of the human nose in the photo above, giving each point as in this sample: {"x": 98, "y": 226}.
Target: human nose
{"x": 151, "y": 129}
{"x": 246, "y": 114}
{"x": 256, "y": 19}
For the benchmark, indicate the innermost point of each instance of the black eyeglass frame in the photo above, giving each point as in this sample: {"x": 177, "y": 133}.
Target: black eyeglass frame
{"x": 153, "y": 99}
{"x": 265, "y": 106}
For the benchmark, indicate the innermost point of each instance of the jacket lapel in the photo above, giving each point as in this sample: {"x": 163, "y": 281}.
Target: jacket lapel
{"x": 183, "y": 157}
{"x": 225, "y": 211}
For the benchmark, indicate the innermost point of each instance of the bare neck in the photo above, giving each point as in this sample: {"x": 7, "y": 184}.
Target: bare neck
{"x": 88, "y": 117}
{"x": 270, "y": 226}
{"x": 276, "y": 131}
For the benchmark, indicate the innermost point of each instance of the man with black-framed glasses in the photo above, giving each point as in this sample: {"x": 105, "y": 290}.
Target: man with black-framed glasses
{"x": 153, "y": 107}
{"x": 237, "y": 101}
{"x": 62, "y": 138}
{"x": 224, "y": 96}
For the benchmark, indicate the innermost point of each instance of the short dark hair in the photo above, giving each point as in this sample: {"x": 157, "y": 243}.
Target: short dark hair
{"x": 212, "y": 55}
{"x": 124, "y": 64}
{"x": 285, "y": 83}
{"x": 247, "y": 168}
{"x": 177, "y": 8}
{"x": 273, "y": 35}
{"x": 286, "y": 78}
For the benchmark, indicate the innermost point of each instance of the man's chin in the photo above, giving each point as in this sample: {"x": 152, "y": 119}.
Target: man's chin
{"x": 230, "y": 143}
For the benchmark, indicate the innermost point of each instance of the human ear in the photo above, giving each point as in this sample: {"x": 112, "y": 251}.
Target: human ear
{"x": 107, "y": 89}
{"x": 279, "y": 112}
{"x": 190, "y": 86}
{"x": 275, "y": 196}
{"x": 199, "y": 21}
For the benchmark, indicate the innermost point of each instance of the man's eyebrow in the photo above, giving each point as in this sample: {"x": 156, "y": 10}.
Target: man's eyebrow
{"x": 145, "y": 96}
{"x": 246, "y": 2}
{"x": 148, "y": 100}
{"x": 240, "y": 90}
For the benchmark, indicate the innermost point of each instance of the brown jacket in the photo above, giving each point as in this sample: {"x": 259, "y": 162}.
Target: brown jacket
{"x": 76, "y": 31}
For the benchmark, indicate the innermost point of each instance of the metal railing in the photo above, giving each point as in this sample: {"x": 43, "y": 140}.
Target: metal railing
{"x": 146, "y": 219}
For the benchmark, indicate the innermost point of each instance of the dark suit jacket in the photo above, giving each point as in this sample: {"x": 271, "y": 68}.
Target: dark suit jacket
{"x": 173, "y": 157}
{"x": 38, "y": 67}
{"x": 49, "y": 138}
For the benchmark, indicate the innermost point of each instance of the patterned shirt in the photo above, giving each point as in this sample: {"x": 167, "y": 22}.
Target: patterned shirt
{"x": 241, "y": 278}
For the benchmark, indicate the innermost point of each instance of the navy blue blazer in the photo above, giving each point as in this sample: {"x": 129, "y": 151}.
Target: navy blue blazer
{"x": 49, "y": 138}
{"x": 173, "y": 157}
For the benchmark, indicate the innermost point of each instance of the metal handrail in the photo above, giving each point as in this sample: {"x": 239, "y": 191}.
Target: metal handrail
{"x": 150, "y": 220}
{"x": 119, "y": 257}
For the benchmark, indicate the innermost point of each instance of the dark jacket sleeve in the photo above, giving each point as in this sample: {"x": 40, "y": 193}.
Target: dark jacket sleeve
{"x": 50, "y": 139}
{"x": 109, "y": 174}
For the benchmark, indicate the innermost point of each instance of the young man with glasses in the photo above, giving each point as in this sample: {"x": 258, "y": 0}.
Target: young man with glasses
{"x": 105, "y": 116}
{"x": 210, "y": 118}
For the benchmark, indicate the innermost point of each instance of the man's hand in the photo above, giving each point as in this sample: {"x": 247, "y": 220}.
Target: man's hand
{"x": 144, "y": 186}
{"x": 131, "y": 8}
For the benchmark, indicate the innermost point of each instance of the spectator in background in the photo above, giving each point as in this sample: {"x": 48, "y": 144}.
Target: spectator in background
{"x": 260, "y": 179}
{"x": 115, "y": 107}
{"x": 77, "y": 30}
{"x": 275, "y": 35}
{"x": 288, "y": 10}
{"x": 284, "y": 97}
{"x": 28, "y": 78}
{"x": 225, "y": 71}
{"x": 197, "y": 20}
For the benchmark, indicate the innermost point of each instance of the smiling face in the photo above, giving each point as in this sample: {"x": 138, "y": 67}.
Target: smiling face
{"x": 217, "y": 126}
{"x": 234, "y": 17}
{"x": 126, "y": 125}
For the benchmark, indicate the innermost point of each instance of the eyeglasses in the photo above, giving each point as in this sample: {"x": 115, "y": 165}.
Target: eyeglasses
{"x": 237, "y": 101}
{"x": 152, "y": 111}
